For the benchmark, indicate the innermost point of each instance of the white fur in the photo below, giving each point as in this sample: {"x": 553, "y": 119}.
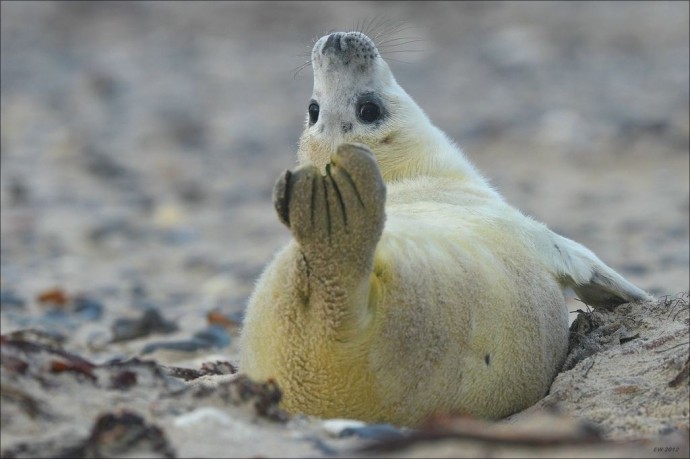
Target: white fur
{"x": 460, "y": 306}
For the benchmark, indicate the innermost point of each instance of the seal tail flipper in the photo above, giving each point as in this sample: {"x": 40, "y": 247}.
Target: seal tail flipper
{"x": 594, "y": 282}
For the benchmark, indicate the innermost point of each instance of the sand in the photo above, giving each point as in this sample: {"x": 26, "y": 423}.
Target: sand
{"x": 139, "y": 145}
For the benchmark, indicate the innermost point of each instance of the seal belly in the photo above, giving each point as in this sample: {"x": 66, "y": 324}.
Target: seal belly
{"x": 469, "y": 331}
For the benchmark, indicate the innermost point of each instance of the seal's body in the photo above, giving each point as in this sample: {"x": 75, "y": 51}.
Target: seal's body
{"x": 410, "y": 286}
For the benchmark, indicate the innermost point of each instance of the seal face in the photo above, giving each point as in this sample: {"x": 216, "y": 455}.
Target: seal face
{"x": 410, "y": 286}
{"x": 352, "y": 98}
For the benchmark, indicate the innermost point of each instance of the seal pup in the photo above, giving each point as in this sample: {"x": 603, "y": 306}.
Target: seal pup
{"x": 410, "y": 286}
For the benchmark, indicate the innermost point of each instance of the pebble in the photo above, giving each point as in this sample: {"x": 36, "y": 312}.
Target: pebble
{"x": 88, "y": 308}
{"x": 9, "y": 299}
{"x": 53, "y": 321}
{"x": 342, "y": 428}
{"x": 189, "y": 345}
{"x": 201, "y": 415}
{"x": 213, "y": 336}
{"x": 373, "y": 432}
{"x": 335, "y": 426}
{"x": 150, "y": 322}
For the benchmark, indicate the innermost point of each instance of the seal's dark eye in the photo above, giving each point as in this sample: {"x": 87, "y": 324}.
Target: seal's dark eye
{"x": 313, "y": 113}
{"x": 368, "y": 112}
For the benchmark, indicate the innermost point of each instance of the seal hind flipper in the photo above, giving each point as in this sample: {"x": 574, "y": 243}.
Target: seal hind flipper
{"x": 595, "y": 283}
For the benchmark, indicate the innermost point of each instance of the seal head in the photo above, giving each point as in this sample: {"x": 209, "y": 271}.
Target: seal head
{"x": 355, "y": 98}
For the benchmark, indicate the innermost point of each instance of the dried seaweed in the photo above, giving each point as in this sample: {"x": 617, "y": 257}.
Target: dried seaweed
{"x": 119, "y": 434}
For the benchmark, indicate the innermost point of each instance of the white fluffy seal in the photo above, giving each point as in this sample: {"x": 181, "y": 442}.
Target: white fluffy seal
{"x": 410, "y": 286}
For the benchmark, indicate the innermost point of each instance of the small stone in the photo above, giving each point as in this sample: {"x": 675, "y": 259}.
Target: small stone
{"x": 150, "y": 322}
{"x": 9, "y": 299}
{"x": 88, "y": 308}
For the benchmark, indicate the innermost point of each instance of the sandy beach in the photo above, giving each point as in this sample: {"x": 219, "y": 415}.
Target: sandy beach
{"x": 139, "y": 146}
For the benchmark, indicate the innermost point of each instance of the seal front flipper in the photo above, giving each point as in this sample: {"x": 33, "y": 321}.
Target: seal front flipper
{"x": 341, "y": 213}
{"x": 595, "y": 283}
{"x": 337, "y": 219}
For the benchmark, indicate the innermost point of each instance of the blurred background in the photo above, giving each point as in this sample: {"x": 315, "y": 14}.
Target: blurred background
{"x": 140, "y": 140}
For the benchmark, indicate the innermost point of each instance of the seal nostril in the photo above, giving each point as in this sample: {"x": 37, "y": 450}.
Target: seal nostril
{"x": 333, "y": 41}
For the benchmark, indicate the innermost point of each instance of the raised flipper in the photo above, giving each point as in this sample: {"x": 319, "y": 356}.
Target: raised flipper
{"x": 594, "y": 282}
{"x": 337, "y": 218}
